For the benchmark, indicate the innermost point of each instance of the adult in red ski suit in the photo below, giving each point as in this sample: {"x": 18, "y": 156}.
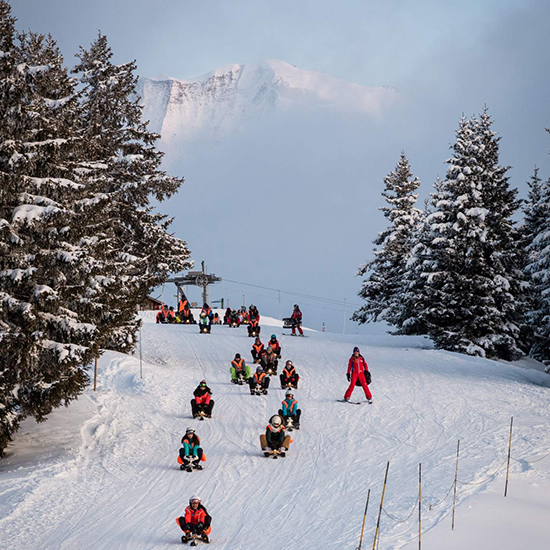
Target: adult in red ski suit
{"x": 357, "y": 367}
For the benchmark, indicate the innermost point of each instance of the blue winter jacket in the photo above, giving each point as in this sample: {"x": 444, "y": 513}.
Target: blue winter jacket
{"x": 290, "y": 406}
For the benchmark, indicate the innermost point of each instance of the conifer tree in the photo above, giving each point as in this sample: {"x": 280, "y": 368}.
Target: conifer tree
{"x": 471, "y": 267}
{"x": 382, "y": 287}
{"x": 536, "y": 240}
{"x": 45, "y": 345}
{"x": 134, "y": 249}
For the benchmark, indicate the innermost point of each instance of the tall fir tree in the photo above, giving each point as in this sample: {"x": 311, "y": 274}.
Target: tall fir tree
{"x": 45, "y": 344}
{"x": 123, "y": 171}
{"x": 382, "y": 287}
{"x": 536, "y": 240}
{"x": 470, "y": 265}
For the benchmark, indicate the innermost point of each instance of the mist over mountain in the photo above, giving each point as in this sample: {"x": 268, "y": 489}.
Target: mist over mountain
{"x": 283, "y": 172}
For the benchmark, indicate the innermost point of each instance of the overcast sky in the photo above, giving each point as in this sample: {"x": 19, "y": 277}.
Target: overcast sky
{"x": 445, "y": 57}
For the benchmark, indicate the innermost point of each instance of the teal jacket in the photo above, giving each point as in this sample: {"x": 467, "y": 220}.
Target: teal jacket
{"x": 290, "y": 406}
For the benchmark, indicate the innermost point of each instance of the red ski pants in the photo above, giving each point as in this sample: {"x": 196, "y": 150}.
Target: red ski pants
{"x": 299, "y": 329}
{"x": 361, "y": 377}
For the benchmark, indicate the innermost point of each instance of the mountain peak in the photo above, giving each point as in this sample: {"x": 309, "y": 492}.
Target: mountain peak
{"x": 221, "y": 100}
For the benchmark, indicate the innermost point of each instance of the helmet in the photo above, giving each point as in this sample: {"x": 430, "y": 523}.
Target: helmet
{"x": 196, "y": 498}
{"x": 189, "y": 430}
{"x": 259, "y": 370}
{"x": 269, "y": 349}
{"x": 289, "y": 393}
{"x": 273, "y": 337}
{"x": 276, "y": 421}
{"x": 237, "y": 356}
{"x": 203, "y": 314}
{"x": 289, "y": 363}
{"x": 355, "y": 349}
{"x": 257, "y": 340}
{"x": 202, "y": 383}
{"x": 296, "y": 306}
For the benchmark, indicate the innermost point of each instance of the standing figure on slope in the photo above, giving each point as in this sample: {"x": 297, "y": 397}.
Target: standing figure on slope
{"x": 257, "y": 350}
{"x": 259, "y": 382}
{"x": 358, "y": 374}
{"x": 195, "y": 522}
{"x": 191, "y": 453}
{"x": 254, "y": 327}
{"x": 275, "y": 439}
{"x": 297, "y": 320}
{"x": 290, "y": 412}
{"x": 289, "y": 377}
{"x": 275, "y": 346}
{"x": 240, "y": 372}
{"x": 203, "y": 403}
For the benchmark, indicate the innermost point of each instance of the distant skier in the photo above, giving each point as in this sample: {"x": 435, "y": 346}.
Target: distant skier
{"x": 289, "y": 377}
{"x": 275, "y": 439}
{"x": 358, "y": 373}
{"x": 240, "y": 372}
{"x": 202, "y": 404}
{"x": 195, "y": 522}
{"x": 259, "y": 382}
{"x": 289, "y": 411}
{"x": 275, "y": 346}
{"x": 297, "y": 320}
{"x": 191, "y": 453}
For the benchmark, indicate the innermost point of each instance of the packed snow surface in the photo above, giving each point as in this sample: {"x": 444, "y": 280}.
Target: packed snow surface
{"x": 103, "y": 474}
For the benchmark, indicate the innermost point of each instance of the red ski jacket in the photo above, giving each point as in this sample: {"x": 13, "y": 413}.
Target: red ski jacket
{"x": 357, "y": 364}
{"x": 195, "y": 516}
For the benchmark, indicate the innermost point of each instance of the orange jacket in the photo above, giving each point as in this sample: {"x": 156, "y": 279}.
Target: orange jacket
{"x": 239, "y": 365}
{"x": 182, "y": 305}
{"x": 259, "y": 378}
{"x": 288, "y": 373}
{"x": 258, "y": 348}
{"x": 195, "y": 516}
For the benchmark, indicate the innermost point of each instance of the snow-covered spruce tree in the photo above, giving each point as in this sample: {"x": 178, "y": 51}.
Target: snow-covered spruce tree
{"x": 382, "y": 287}
{"x": 536, "y": 240}
{"x": 471, "y": 297}
{"x": 122, "y": 168}
{"x": 45, "y": 345}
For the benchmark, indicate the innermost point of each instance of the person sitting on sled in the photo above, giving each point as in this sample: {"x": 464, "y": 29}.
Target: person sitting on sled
{"x": 191, "y": 453}
{"x": 289, "y": 410}
{"x": 239, "y": 369}
{"x": 195, "y": 521}
{"x": 289, "y": 377}
{"x": 275, "y": 438}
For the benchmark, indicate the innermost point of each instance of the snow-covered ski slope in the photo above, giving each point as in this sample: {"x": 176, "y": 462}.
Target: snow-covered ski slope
{"x": 103, "y": 474}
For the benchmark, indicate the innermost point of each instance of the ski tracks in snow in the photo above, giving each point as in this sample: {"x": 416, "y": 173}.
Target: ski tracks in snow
{"x": 124, "y": 489}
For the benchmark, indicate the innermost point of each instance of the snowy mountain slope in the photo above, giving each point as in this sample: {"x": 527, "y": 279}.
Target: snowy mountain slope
{"x": 224, "y": 99}
{"x": 122, "y": 488}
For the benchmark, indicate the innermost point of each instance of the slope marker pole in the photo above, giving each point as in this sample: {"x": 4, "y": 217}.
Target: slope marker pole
{"x": 420, "y": 506}
{"x": 381, "y": 505}
{"x": 456, "y": 478}
{"x": 509, "y": 451}
{"x": 364, "y": 518}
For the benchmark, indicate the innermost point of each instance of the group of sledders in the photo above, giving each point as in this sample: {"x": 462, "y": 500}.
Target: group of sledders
{"x": 275, "y": 442}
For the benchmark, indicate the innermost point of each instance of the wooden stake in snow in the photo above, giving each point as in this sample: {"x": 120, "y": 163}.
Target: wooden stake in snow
{"x": 420, "y": 507}
{"x": 95, "y": 374}
{"x": 381, "y": 505}
{"x": 364, "y": 518}
{"x": 509, "y": 451}
{"x": 456, "y": 478}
